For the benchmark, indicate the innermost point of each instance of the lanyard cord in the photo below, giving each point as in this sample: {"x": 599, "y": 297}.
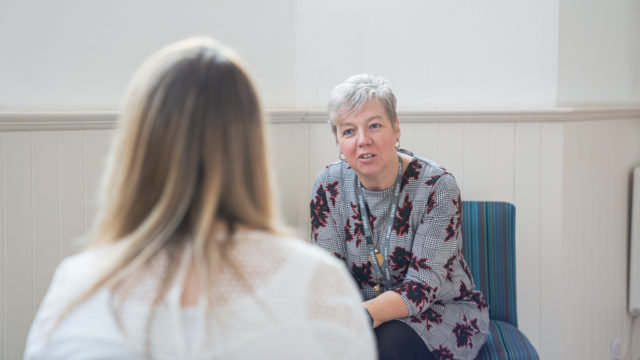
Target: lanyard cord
{"x": 373, "y": 250}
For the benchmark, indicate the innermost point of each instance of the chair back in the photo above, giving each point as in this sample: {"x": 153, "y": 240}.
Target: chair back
{"x": 488, "y": 235}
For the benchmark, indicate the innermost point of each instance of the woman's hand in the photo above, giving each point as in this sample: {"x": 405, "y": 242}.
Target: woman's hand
{"x": 386, "y": 307}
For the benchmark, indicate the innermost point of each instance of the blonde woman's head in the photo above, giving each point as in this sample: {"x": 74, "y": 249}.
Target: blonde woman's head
{"x": 190, "y": 150}
{"x": 189, "y": 160}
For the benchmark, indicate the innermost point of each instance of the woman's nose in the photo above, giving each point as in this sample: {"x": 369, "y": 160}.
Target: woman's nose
{"x": 363, "y": 138}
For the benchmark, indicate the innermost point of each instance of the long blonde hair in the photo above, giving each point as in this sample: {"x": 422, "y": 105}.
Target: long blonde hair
{"x": 189, "y": 155}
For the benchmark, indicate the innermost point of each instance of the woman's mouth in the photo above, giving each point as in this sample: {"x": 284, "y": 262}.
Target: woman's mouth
{"x": 366, "y": 156}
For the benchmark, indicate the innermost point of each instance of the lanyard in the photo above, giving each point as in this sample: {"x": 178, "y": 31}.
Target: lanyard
{"x": 379, "y": 275}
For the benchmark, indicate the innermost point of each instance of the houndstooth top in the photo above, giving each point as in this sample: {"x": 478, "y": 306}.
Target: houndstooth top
{"x": 425, "y": 256}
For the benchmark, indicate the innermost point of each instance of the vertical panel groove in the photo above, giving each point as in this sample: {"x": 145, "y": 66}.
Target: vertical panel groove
{"x": 438, "y": 143}
{"x": 540, "y": 232}
{"x": 489, "y": 142}
{"x": 306, "y": 225}
{"x": 4, "y": 249}
{"x": 33, "y": 229}
{"x": 527, "y": 190}
{"x": 84, "y": 183}
{"x": 59, "y": 157}
{"x": 513, "y": 167}
{"x": 464, "y": 133}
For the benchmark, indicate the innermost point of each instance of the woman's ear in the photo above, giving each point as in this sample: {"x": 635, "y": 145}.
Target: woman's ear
{"x": 397, "y": 130}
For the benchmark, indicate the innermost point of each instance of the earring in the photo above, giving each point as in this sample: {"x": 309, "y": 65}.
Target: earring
{"x": 397, "y": 144}
{"x": 341, "y": 156}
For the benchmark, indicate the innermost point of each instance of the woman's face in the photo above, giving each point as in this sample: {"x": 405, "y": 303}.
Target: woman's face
{"x": 367, "y": 140}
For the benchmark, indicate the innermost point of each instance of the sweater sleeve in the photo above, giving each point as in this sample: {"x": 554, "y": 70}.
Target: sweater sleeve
{"x": 325, "y": 231}
{"x": 434, "y": 244}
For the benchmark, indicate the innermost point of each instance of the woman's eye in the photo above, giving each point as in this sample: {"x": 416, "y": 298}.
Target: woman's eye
{"x": 375, "y": 126}
{"x": 347, "y": 132}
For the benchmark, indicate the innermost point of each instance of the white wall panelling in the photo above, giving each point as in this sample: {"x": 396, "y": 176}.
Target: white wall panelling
{"x": 542, "y": 161}
{"x": 19, "y": 247}
{"x": 476, "y": 161}
{"x": 595, "y": 218}
{"x": 289, "y": 152}
{"x": 3, "y": 266}
{"x": 577, "y": 225}
{"x": 406, "y": 136}
{"x": 551, "y": 256}
{"x": 451, "y": 150}
{"x": 72, "y": 190}
{"x": 45, "y": 176}
{"x": 527, "y": 201}
{"x": 45, "y": 186}
{"x": 95, "y": 144}
{"x": 501, "y": 161}
{"x": 421, "y": 138}
{"x": 322, "y": 151}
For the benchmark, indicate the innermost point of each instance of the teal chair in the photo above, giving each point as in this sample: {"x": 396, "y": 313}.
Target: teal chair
{"x": 488, "y": 233}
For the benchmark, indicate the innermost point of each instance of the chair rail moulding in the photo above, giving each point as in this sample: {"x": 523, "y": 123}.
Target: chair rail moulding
{"x": 57, "y": 120}
{"x": 86, "y": 120}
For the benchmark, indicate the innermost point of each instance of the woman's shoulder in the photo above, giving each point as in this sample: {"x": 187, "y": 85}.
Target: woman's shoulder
{"x": 95, "y": 257}
{"x": 81, "y": 267}
{"x": 77, "y": 271}
{"x": 427, "y": 166}
{"x": 72, "y": 276}
{"x": 428, "y": 170}
{"x": 335, "y": 171}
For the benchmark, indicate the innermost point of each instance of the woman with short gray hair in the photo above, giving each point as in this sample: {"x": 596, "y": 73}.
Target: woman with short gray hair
{"x": 406, "y": 255}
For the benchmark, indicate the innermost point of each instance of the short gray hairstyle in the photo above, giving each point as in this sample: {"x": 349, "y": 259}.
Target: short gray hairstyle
{"x": 350, "y": 96}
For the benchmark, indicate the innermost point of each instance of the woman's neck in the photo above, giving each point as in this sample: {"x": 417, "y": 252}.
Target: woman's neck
{"x": 387, "y": 178}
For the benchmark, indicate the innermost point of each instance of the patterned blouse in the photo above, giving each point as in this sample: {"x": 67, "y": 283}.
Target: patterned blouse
{"x": 425, "y": 256}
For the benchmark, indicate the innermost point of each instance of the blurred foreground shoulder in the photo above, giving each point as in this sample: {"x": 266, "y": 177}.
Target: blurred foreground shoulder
{"x": 72, "y": 276}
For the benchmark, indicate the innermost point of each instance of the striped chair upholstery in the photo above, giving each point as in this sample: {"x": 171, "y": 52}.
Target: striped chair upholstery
{"x": 488, "y": 233}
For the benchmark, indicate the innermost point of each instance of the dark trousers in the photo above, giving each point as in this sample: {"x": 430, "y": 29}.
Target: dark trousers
{"x": 396, "y": 340}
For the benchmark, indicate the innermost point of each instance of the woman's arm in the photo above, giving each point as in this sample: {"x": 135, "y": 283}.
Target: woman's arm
{"x": 324, "y": 229}
{"x": 435, "y": 246}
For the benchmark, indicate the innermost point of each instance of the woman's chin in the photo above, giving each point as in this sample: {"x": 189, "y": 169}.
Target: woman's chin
{"x": 367, "y": 169}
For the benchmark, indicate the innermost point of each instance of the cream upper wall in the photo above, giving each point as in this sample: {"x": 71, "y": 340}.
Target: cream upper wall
{"x": 599, "y": 52}
{"x": 81, "y": 54}
{"x": 74, "y": 54}
{"x": 436, "y": 53}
